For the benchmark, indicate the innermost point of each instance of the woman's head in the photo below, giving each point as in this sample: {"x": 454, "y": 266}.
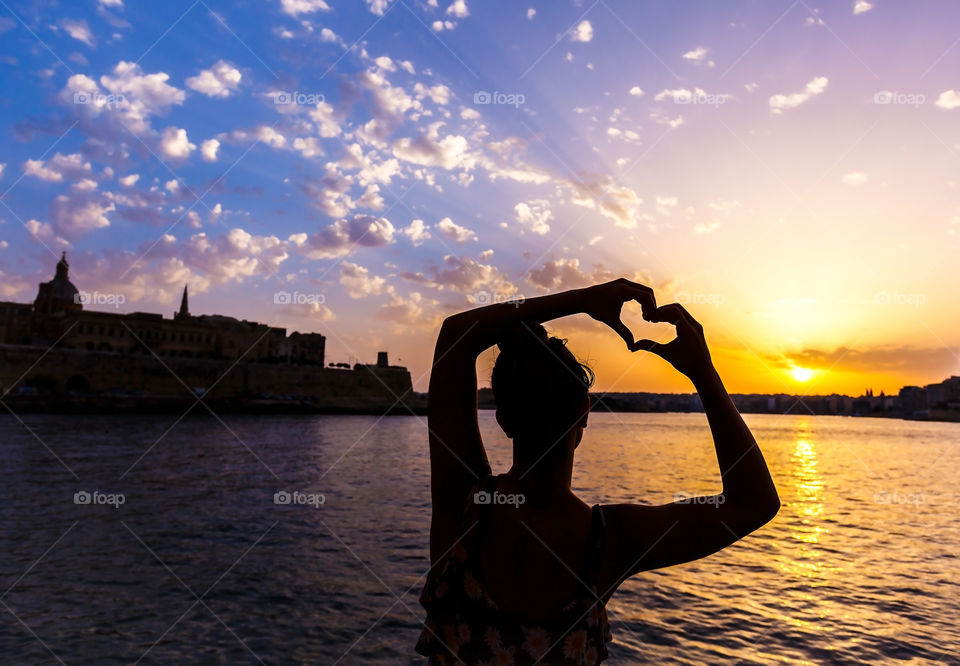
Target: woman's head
{"x": 541, "y": 389}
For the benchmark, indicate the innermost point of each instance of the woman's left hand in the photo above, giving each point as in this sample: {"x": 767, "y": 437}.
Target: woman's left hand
{"x": 604, "y": 303}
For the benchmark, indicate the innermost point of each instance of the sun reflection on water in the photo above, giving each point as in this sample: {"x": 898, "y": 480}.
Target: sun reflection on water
{"x": 808, "y": 507}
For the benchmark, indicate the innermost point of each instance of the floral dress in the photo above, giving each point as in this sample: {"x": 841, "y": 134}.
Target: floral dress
{"x": 465, "y": 626}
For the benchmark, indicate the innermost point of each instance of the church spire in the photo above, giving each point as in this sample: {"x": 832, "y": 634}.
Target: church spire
{"x": 184, "y": 310}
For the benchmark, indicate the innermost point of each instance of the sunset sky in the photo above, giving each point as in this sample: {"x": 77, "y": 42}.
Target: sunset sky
{"x": 787, "y": 170}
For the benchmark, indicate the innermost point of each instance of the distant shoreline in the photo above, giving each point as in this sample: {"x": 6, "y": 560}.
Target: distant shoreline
{"x": 413, "y": 406}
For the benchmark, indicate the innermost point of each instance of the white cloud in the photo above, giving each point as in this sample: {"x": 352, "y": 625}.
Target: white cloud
{"x": 209, "y": 149}
{"x": 814, "y": 20}
{"x": 459, "y": 9}
{"x": 328, "y": 35}
{"x": 531, "y": 13}
{"x": 665, "y": 205}
{"x": 3, "y": 166}
{"x": 80, "y": 213}
{"x": 565, "y": 273}
{"x": 583, "y": 32}
{"x": 53, "y": 171}
{"x": 534, "y": 215}
{"x": 229, "y": 257}
{"x": 636, "y": 91}
{"x": 449, "y": 152}
{"x": 218, "y": 81}
{"x": 44, "y": 232}
{"x": 702, "y": 228}
{"x": 323, "y": 116}
{"x": 455, "y": 232}
{"x": 661, "y": 118}
{"x": 296, "y": 7}
{"x": 855, "y": 178}
{"x": 308, "y": 147}
{"x": 614, "y": 201}
{"x": 440, "y": 94}
{"x": 79, "y": 30}
{"x": 339, "y": 238}
{"x": 360, "y": 282}
{"x": 262, "y": 133}
{"x": 751, "y": 87}
{"x": 151, "y": 89}
{"x": 780, "y": 102}
{"x": 467, "y": 275}
{"x": 129, "y": 99}
{"x": 111, "y": 3}
{"x": 696, "y": 55}
{"x": 129, "y": 181}
{"x": 417, "y": 232}
{"x": 725, "y": 207}
{"x": 378, "y": 7}
{"x": 384, "y": 62}
{"x": 949, "y": 99}
{"x": 409, "y": 312}
{"x": 174, "y": 143}
{"x": 862, "y": 7}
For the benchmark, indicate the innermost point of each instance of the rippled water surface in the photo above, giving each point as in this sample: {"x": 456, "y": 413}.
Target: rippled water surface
{"x": 198, "y": 564}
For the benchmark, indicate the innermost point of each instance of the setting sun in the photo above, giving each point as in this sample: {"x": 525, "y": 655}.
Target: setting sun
{"x": 801, "y": 374}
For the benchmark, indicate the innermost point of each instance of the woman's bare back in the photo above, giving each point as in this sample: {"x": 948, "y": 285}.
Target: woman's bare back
{"x": 531, "y": 557}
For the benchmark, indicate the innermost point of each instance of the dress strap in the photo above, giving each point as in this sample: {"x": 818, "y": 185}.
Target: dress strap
{"x": 595, "y": 543}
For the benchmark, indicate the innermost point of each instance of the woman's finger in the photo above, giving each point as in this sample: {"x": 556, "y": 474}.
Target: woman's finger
{"x": 674, "y": 313}
{"x": 622, "y": 331}
{"x": 648, "y": 345}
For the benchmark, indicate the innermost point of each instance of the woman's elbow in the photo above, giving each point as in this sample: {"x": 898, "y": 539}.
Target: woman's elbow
{"x": 749, "y": 515}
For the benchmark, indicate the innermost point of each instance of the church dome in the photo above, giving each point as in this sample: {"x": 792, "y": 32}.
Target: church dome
{"x": 59, "y": 292}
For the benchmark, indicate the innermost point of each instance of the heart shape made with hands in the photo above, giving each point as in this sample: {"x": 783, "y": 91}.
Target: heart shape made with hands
{"x": 632, "y": 317}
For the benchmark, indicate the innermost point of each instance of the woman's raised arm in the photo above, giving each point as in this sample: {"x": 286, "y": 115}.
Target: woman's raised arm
{"x": 457, "y": 456}
{"x": 649, "y": 537}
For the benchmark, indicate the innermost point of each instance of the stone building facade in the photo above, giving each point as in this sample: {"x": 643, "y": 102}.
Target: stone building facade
{"x": 57, "y": 315}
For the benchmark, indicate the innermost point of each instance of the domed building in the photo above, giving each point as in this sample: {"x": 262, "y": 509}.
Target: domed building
{"x": 59, "y": 294}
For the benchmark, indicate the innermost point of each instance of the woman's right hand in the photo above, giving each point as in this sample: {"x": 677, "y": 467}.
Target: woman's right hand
{"x": 604, "y": 302}
{"x": 687, "y": 352}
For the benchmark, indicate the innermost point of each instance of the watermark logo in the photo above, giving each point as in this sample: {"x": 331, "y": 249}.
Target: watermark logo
{"x": 699, "y": 98}
{"x": 896, "y": 298}
{"x": 316, "y": 500}
{"x": 895, "y": 98}
{"x": 496, "y": 497}
{"x": 914, "y": 499}
{"x": 482, "y": 97}
{"x": 715, "y": 500}
{"x": 98, "y": 298}
{"x": 697, "y": 298}
{"x": 297, "y": 498}
{"x": 96, "y": 497}
{"x": 98, "y": 99}
{"x": 297, "y": 298}
{"x": 297, "y": 98}
{"x": 490, "y": 298}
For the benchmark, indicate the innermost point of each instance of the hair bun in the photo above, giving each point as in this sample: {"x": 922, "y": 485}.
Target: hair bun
{"x": 523, "y": 336}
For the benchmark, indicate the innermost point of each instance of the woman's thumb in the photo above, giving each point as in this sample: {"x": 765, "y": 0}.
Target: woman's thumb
{"x": 647, "y": 345}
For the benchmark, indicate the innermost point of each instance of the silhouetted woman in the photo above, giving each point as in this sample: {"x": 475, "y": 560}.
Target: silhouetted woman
{"x": 521, "y": 567}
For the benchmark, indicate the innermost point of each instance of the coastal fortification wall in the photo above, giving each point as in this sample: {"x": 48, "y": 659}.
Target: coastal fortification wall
{"x": 74, "y": 376}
